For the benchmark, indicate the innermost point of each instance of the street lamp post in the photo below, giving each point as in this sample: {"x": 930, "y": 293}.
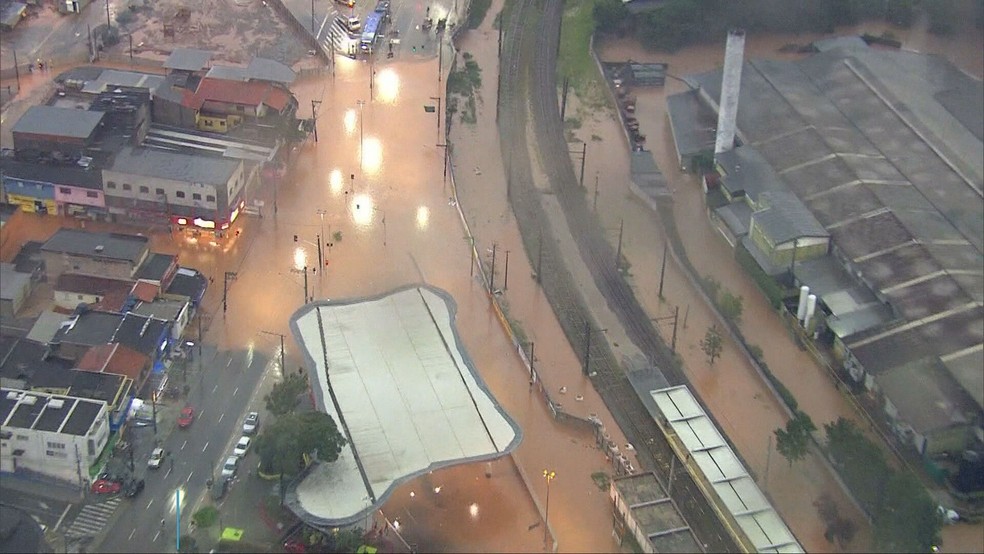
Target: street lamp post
{"x": 283, "y": 370}
{"x": 438, "y": 98}
{"x": 229, "y": 276}
{"x": 549, "y": 476}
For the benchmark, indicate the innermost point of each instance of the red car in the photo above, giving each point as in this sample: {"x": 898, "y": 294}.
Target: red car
{"x": 103, "y": 486}
{"x": 186, "y": 417}
{"x": 294, "y": 546}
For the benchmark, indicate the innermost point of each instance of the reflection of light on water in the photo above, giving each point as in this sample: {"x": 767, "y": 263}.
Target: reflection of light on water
{"x": 412, "y": 494}
{"x": 300, "y": 258}
{"x": 345, "y": 65}
{"x": 351, "y": 118}
{"x": 423, "y": 216}
{"x": 437, "y": 490}
{"x": 173, "y": 500}
{"x": 335, "y": 181}
{"x": 396, "y": 524}
{"x": 362, "y": 208}
{"x": 388, "y": 84}
{"x": 372, "y": 155}
{"x": 473, "y": 510}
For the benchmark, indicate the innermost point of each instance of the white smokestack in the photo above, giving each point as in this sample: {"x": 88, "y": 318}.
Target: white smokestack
{"x": 734, "y": 55}
{"x": 811, "y": 307}
{"x": 801, "y": 307}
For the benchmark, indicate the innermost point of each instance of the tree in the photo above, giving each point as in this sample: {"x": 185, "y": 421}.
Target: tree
{"x": 906, "y": 520}
{"x": 283, "y": 399}
{"x": 609, "y": 15}
{"x": 794, "y": 441}
{"x": 858, "y": 460}
{"x": 283, "y": 444}
{"x": 731, "y": 306}
{"x": 838, "y": 528}
{"x": 711, "y": 344}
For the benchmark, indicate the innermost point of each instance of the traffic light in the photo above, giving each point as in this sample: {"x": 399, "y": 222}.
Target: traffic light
{"x": 295, "y": 238}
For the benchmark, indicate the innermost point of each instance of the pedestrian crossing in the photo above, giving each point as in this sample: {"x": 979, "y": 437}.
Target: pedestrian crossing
{"x": 92, "y": 519}
{"x": 337, "y": 40}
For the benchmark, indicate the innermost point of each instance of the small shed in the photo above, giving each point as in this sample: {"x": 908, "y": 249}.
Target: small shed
{"x": 15, "y": 288}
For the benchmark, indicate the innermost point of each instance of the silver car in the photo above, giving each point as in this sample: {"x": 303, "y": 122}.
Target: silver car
{"x": 251, "y": 423}
{"x": 230, "y": 467}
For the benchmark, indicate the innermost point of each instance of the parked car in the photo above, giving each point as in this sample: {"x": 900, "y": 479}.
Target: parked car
{"x": 107, "y": 476}
{"x": 187, "y": 416}
{"x": 133, "y": 488}
{"x": 230, "y": 467}
{"x": 241, "y": 447}
{"x": 251, "y": 423}
{"x": 156, "y": 458}
{"x": 102, "y": 486}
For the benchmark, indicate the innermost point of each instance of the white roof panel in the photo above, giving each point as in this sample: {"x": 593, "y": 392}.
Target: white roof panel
{"x": 410, "y": 399}
{"x": 735, "y": 489}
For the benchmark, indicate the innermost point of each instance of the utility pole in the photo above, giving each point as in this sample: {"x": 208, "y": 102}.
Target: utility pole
{"x": 229, "y": 276}
{"x": 321, "y": 260}
{"x": 107, "y": 15}
{"x": 492, "y": 273}
{"x": 447, "y": 154}
{"x": 312, "y": 18}
{"x": 563, "y": 98}
{"x": 438, "y": 98}
{"x": 532, "y": 359}
{"x": 314, "y": 116}
{"x": 584, "y": 155}
{"x": 662, "y": 272}
{"x": 539, "y": 254}
{"x": 153, "y": 407}
{"x": 618, "y": 251}
{"x": 676, "y": 316}
{"x": 16, "y": 72}
{"x": 505, "y": 283}
{"x": 587, "y": 346}
{"x": 283, "y": 370}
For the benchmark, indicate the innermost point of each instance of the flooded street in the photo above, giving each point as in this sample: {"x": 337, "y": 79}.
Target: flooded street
{"x": 373, "y": 187}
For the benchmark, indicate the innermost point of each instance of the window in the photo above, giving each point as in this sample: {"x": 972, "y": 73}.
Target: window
{"x": 64, "y": 190}
{"x": 210, "y": 198}
{"x": 80, "y": 296}
{"x": 180, "y": 194}
{"x": 92, "y": 194}
{"x": 56, "y": 454}
{"x": 22, "y": 437}
{"x": 110, "y": 185}
{"x": 127, "y": 186}
{"x": 196, "y": 196}
{"x": 56, "y": 445}
{"x": 144, "y": 190}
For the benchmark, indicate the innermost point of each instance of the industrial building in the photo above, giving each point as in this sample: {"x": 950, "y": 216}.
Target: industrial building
{"x": 857, "y": 172}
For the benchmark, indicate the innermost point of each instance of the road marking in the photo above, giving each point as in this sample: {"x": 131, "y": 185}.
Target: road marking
{"x": 222, "y": 415}
{"x": 235, "y": 392}
{"x": 184, "y": 445}
{"x": 168, "y": 473}
{"x": 134, "y": 532}
{"x": 44, "y": 506}
{"x": 215, "y": 388}
{"x": 156, "y": 536}
{"x": 204, "y": 447}
{"x": 229, "y": 363}
{"x": 62, "y": 518}
{"x": 149, "y": 503}
{"x": 201, "y": 413}
{"x": 189, "y": 476}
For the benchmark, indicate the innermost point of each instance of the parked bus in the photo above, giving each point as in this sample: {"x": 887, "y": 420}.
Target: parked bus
{"x": 370, "y": 29}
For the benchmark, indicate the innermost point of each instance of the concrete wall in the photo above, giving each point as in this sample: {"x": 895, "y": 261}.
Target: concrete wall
{"x": 63, "y": 457}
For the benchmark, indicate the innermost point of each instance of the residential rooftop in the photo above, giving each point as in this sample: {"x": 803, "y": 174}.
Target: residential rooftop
{"x": 113, "y": 246}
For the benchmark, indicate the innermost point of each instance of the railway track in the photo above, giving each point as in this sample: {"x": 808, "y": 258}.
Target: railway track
{"x": 528, "y": 98}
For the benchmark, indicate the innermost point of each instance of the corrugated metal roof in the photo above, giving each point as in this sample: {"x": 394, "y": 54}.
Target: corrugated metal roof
{"x": 152, "y": 162}
{"x": 59, "y": 122}
{"x": 188, "y": 59}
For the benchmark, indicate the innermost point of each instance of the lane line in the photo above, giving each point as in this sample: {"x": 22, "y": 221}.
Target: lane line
{"x": 215, "y": 388}
{"x": 149, "y": 503}
{"x": 134, "y": 532}
{"x": 62, "y": 518}
{"x": 188, "y": 480}
{"x": 222, "y": 415}
{"x": 184, "y": 445}
{"x": 204, "y": 447}
{"x": 168, "y": 473}
{"x": 229, "y": 363}
{"x": 157, "y": 536}
{"x": 235, "y": 392}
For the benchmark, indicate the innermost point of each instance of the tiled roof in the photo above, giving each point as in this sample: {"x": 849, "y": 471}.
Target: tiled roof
{"x": 114, "y": 358}
{"x": 236, "y": 92}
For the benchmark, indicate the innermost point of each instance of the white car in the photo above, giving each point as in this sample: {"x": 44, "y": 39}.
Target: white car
{"x": 241, "y": 447}
{"x": 156, "y": 458}
{"x": 230, "y": 467}
{"x": 251, "y": 423}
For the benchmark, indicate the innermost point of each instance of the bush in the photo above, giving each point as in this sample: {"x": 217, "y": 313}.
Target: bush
{"x": 476, "y": 12}
{"x": 206, "y": 517}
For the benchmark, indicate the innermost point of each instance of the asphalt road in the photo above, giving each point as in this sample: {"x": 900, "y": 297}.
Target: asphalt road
{"x": 222, "y": 395}
{"x": 46, "y": 511}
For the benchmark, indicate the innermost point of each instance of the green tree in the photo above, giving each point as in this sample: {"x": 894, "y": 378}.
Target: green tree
{"x": 731, "y": 306}
{"x": 907, "y": 519}
{"x": 283, "y": 444}
{"x": 858, "y": 460}
{"x": 610, "y": 15}
{"x": 712, "y": 344}
{"x": 283, "y": 398}
{"x": 793, "y": 442}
